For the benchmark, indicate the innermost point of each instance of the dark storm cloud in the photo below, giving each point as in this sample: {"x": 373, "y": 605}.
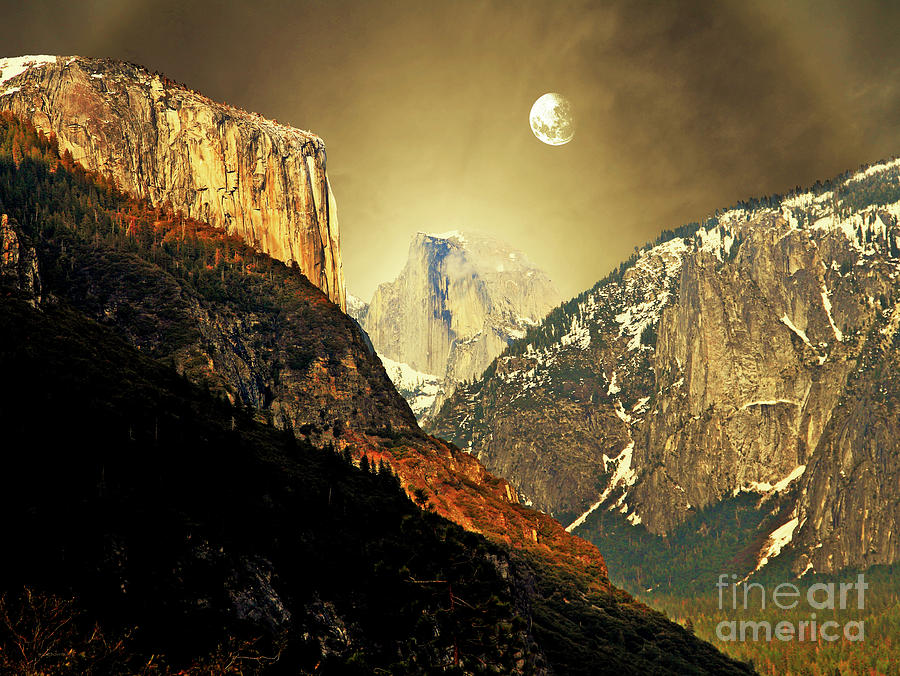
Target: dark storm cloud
{"x": 681, "y": 107}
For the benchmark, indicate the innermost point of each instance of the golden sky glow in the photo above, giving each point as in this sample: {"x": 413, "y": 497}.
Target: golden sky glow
{"x": 681, "y": 107}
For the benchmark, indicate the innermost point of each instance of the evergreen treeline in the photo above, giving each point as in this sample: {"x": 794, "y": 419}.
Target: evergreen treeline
{"x": 878, "y": 654}
{"x": 677, "y": 574}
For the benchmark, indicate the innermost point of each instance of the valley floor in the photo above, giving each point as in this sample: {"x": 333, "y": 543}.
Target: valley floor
{"x": 878, "y": 654}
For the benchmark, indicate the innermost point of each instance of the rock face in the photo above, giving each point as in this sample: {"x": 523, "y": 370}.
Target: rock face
{"x": 18, "y": 263}
{"x": 751, "y": 353}
{"x": 458, "y": 302}
{"x": 159, "y": 140}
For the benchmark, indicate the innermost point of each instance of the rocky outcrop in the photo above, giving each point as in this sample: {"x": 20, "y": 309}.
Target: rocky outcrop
{"x": 850, "y": 485}
{"x": 459, "y": 301}
{"x": 357, "y": 308}
{"x": 751, "y": 354}
{"x": 159, "y": 140}
{"x": 18, "y": 263}
{"x": 302, "y": 367}
{"x": 758, "y": 366}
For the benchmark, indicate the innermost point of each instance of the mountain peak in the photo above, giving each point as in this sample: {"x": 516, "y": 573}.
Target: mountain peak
{"x": 455, "y": 235}
{"x": 724, "y": 355}
{"x": 479, "y": 294}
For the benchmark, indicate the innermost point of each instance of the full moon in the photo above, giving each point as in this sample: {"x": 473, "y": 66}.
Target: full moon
{"x": 551, "y": 119}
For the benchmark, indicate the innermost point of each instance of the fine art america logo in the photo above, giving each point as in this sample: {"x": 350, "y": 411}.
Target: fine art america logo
{"x": 823, "y": 598}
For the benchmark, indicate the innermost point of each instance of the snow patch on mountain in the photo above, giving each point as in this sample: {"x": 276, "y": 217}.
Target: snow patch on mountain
{"x": 879, "y": 168}
{"x": 613, "y": 387}
{"x": 777, "y": 541}
{"x": 767, "y": 488}
{"x": 581, "y": 519}
{"x": 787, "y": 322}
{"x": 826, "y": 303}
{"x": 862, "y": 228}
{"x": 10, "y": 67}
{"x": 716, "y": 241}
{"x": 456, "y": 235}
{"x": 623, "y": 476}
{"x": 356, "y": 307}
{"x": 419, "y": 389}
{"x": 579, "y": 334}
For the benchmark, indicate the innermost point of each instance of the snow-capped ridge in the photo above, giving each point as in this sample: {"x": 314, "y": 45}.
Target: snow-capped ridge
{"x": 877, "y": 168}
{"x": 455, "y": 235}
{"x": 13, "y": 66}
{"x": 419, "y": 389}
{"x": 679, "y": 348}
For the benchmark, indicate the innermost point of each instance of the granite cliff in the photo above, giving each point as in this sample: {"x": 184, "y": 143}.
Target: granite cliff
{"x": 18, "y": 262}
{"x": 753, "y": 353}
{"x": 159, "y": 140}
{"x": 459, "y": 301}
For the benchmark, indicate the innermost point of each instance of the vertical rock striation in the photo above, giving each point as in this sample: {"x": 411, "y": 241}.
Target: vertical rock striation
{"x": 459, "y": 301}
{"x": 758, "y": 352}
{"x": 159, "y": 140}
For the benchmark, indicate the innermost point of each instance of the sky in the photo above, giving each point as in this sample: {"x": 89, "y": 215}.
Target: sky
{"x": 680, "y": 108}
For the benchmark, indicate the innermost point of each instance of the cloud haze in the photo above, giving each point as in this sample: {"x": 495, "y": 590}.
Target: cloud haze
{"x": 680, "y": 108}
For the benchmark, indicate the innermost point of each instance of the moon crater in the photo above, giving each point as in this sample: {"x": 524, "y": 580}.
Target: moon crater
{"x": 551, "y": 119}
